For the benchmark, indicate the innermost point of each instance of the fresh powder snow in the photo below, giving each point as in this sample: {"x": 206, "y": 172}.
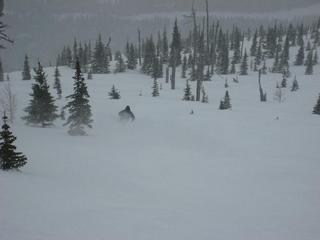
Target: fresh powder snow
{"x": 248, "y": 173}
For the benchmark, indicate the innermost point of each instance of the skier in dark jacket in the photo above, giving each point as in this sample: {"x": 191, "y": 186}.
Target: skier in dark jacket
{"x": 126, "y": 114}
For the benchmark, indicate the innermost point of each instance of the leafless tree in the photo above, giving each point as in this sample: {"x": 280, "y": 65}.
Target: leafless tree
{"x": 7, "y": 101}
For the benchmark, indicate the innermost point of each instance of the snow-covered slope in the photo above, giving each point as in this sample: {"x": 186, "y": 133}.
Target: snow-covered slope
{"x": 248, "y": 173}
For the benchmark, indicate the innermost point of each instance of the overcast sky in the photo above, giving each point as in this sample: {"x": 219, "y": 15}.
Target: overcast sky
{"x": 143, "y": 6}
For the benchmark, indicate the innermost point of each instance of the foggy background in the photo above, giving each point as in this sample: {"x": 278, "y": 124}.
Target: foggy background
{"x": 41, "y": 28}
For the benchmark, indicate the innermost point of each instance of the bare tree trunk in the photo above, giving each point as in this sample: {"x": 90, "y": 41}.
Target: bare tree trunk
{"x": 8, "y": 101}
{"x": 195, "y": 37}
{"x": 139, "y": 48}
{"x": 173, "y": 75}
{"x": 208, "y": 32}
{"x": 167, "y": 74}
{"x": 241, "y": 53}
{"x": 263, "y": 96}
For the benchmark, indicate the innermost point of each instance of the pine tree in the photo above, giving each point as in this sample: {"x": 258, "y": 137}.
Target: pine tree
{"x": 300, "y": 57}
{"x": 9, "y": 158}
{"x": 68, "y": 57}
{"x": 284, "y": 81}
{"x": 225, "y": 103}
{"x": 295, "y": 85}
{"x": 57, "y": 84}
{"x": 187, "y": 92}
{"x": 207, "y": 76}
{"x": 175, "y": 56}
{"x": 79, "y": 107}
{"x": 101, "y": 62}
{"x": 149, "y": 56}
{"x": 75, "y": 52}
{"x": 114, "y": 93}
{"x": 276, "y": 65}
{"x": 165, "y": 47}
{"x": 155, "y": 87}
{"x": 316, "y": 109}
{"x": 132, "y": 58}
{"x": 42, "y": 109}
{"x": 258, "y": 58}
{"x": 26, "y": 69}
{"x": 223, "y": 54}
{"x": 284, "y": 61}
{"x": 254, "y": 45}
{"x": 300, "y": 35}
{"x": 244, "y": 64}
{"x": 309, "y": 64}
{"x": 1, "y": 72}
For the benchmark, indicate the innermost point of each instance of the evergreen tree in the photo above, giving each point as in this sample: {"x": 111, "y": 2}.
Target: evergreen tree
{"x": 300, "y": 35}
{"x": 187, "y": 92}
{"x": 175, "y": 46}
{"x": 295, "y": 85}
{"x": 300, "y": 57}
{"x": 225, "y": 103}
{"x": 75, "y": 55}
{"x": 9, "y": 158}
{"x": 156, "y": 68}
{"x": 284, "y": 61}
{"x": 223, "y": 54}
{"x": 132, "y": 58}
{"x": 316, "y": 109}
{"x": 57, "y": 84}
{"x": 254, "y": 45}
{"x": 244, "y": 64}
{"x": 149, "y": 56}
{"x": 276, "y": 65}
{"x": 155, "y": 87}
{"x": 68, "y": 57}
{"x": 258, "y": 58}
{"x": 26, "y": 69}
{"x": 207, "y": 76}
{"x": 114, "y": 93}
{"x": 309, "y": 64}
{"x": 127, "y": 49}
{"x": 101, "y": 62}
{"x": 284, "y": 81}
{"x": 79, "y": 107}
{"x": 1, "y": 72}
{"x": 165, "y": 47}
{"x": 42, "y": 109}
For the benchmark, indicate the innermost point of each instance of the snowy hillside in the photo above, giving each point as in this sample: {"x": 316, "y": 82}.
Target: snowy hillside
{"x": 247, "y": 173}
